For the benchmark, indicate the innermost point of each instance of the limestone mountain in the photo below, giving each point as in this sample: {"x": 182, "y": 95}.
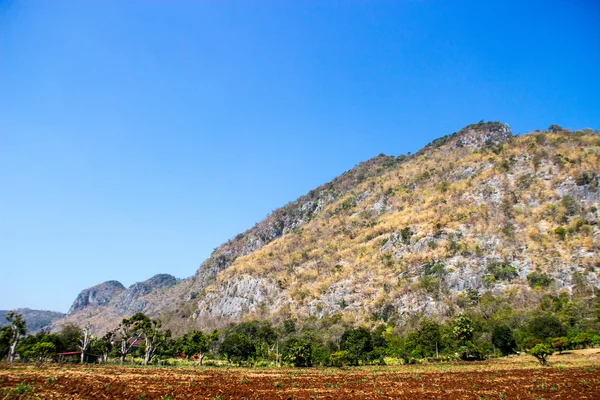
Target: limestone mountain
{"x": 35, "y": 320}
{"x": 478, "y": 210}
{"x": 96, "y": 296}
{"x": 110, "y": 301}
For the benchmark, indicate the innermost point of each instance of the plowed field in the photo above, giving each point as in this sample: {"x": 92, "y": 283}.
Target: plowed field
{"x": 518, "y": 378}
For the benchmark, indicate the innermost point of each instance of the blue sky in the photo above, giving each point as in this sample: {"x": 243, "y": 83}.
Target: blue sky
{"x": 136, "y": 136}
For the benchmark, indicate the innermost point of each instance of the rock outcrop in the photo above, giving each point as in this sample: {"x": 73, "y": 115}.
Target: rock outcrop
{"x": 130, "y": 302}
{"x": 97, "y": 296}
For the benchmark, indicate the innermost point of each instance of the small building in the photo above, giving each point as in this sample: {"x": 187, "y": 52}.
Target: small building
{"x": 75, "y": 357}
{"x": 134, "y": 344}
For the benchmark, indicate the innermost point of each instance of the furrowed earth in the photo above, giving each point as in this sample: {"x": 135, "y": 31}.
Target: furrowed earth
{"x": 573, "y": 375}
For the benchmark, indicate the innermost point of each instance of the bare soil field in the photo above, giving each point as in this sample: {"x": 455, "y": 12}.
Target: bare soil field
{"x": 575, "y": 375}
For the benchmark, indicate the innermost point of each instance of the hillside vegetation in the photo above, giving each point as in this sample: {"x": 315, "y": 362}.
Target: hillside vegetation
{"x": 396, "y": 238}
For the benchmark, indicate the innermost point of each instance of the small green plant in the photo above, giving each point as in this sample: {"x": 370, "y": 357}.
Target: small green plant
{"x": 277, "y": 384}
{"x": 23, "y": 388}
{"x": 539, "y": 279}
{"x": 541, "y": 351}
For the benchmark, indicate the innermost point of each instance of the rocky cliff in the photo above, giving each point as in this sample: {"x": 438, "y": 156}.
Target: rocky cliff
{"x": 96, "y": 296}
{"x": 104, "y": 305}
{"x": 478, "y": 210}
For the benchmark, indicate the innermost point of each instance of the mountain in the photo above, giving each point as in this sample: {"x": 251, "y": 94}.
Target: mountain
{"x": 478, "y": 210}
{"x": 35, "y": 320}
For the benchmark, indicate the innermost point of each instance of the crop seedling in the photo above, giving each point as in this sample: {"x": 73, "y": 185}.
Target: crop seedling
{"x": 23, "y": 388}
{"x": 277, "y": 384}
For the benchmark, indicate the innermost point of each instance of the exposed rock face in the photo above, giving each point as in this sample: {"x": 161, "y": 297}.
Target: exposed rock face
{"x": 475, "y": 136}
{"x": 97, "y": 296}
{"x": 286, "y": 219}
{"x": 478, "y": 210}
{"x": 129, "y": 301}
{"x": 35, "y": 320}
{"x": 479, "y": 205}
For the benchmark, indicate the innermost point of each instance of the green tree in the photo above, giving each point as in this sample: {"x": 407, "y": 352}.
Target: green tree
{"x": 298, "y": 352}
{"x": 555, "y": 128}
{"x": 149, "y": 330}
{"x": 427, "y": 340}
{"x": 17, "y": 329}
{"x": 341, "y": 358}
{"x": 357, "y": 342}
{"x": 463, "y": 329}
{"x": 40, "y": 352}
{"x": 261, "y": 333}
{"x": 70, "y": 335}
{"x": 503, "y": 339}
{"x": 127, "y": 337}
{"x": 198, "y": 343}
{"x": 541, "y": 351}
{"x": 582, "y": 340}
{"x": 238, "y": 347}
{"x": 546, "y": 326}
{"x": 560, "y": 343}
{"x": 103, "y": 345}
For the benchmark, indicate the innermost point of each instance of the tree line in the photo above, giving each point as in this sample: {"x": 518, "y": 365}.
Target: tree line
{"x": 488, "y": 327}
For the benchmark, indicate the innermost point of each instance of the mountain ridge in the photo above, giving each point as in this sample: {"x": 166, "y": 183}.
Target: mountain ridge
{"x": 396, "y": 236}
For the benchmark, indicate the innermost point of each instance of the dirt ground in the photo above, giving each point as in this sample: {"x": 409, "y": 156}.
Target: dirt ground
{"x": 575, "y": 375}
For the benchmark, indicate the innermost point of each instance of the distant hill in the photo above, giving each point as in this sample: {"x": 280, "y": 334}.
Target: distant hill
{"x": 478, "y": 210}
{"x": 35, "y": 320}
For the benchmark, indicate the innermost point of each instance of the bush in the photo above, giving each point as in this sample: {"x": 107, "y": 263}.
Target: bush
{"x": 503, "y": 339}
{"x": 470, "y": 352}
{"x": 502, "y": 271}
{"x": 539, "y": 279}
{"x": 238, "y": 347}
{"x": 560, "y": 343}
{"x": 561, "y": 232}
{"x": 298, "y": 352}
{"x": 320, "y": 355}
{"x": 541, "y": 351}
{"x": 546, "y": 326}
{"x": 341, "y": 359}
{"x": 357, "y": 342}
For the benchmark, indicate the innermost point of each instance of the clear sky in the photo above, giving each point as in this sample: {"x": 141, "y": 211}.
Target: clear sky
{"x": 136, "y": 136}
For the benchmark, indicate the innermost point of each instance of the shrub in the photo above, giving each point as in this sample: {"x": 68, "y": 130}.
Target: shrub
{"x": 539, "y": 279}
{"x": 560, "y": 343}
{"x": 561, "y": 232}
{"x": 502, "y": 271}
{"x": 503, "y": 339}
{"x": 340, "y": 358}
{"x": 463, "y": 329}
{"x": 298, "y": 352}
{"x": 470, "y": 352}
{"x": 546, "y": 326}
{"x": 238, "y": 347}
{"x": 541, "y": 351}
{"x": 357, "y": 342}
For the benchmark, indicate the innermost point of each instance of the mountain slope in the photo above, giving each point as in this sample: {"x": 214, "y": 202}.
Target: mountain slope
{"x": 396, "y": 236}
{"x": 475, "y": 211}
{"x": 35, "y": 320}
